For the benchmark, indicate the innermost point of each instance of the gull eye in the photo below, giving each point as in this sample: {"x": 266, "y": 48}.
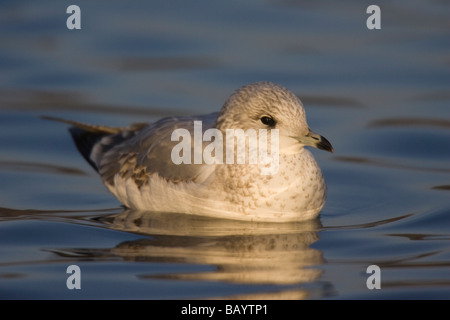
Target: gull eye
{"x": 268, "y": 121}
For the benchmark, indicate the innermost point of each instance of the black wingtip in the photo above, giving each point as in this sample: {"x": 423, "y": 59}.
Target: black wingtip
{"x": 85, "y": 141}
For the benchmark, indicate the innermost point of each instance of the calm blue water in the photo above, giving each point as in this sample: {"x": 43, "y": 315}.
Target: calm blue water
{"x": 381, "y": 97}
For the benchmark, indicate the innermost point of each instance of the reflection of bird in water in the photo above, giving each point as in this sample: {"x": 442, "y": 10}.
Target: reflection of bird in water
{"x": 242, "y": 252}
{"x": 137, "y": 164}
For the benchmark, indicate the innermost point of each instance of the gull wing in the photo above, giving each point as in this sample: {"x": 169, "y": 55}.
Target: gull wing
{"x": 148, "y": 151}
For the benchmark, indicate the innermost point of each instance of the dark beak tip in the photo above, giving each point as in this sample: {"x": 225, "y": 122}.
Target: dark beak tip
{"x": 329, "y": 149}
{"x": 326, "y": 145}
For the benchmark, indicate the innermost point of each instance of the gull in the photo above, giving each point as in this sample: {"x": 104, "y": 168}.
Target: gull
{"x": 136, "y": 163}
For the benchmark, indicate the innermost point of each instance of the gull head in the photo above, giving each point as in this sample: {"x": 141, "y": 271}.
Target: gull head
{"x": 266, "y": 105}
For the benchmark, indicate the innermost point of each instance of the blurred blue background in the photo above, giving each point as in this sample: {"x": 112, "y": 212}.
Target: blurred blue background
{"x": 380, "y": 96}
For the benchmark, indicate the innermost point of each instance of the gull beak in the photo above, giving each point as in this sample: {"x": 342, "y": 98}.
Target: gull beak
{"x": 315, "y": 140}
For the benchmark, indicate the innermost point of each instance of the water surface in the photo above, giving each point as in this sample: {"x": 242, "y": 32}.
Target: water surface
{"x": 381, "y": 97}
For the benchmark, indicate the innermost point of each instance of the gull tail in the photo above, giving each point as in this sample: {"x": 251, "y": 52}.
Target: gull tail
{"x": 86, "y": 136}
